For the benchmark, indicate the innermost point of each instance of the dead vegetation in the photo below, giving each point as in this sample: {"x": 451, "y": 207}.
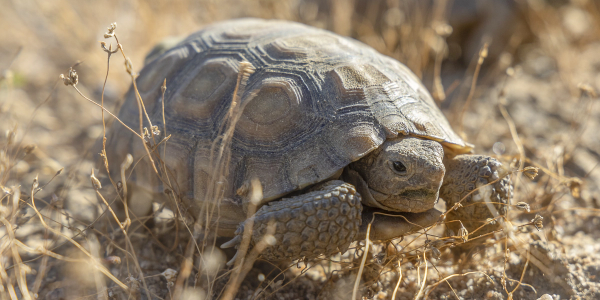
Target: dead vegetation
{"x": 523, "y": 89}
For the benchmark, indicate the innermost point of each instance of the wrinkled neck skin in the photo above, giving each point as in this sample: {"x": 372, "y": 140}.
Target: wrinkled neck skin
{"x": 403, "y": 175}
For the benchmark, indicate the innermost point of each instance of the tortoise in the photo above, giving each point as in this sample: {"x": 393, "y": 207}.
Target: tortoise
{"x": 338, "y": 135}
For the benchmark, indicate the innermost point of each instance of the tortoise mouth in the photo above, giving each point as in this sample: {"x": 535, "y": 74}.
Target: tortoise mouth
{"x": 417, "y": 200}
{"x": 414, "y": 200}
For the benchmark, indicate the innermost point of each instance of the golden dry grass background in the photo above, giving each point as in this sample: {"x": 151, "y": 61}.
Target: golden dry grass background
{"x": 550, "y": 49}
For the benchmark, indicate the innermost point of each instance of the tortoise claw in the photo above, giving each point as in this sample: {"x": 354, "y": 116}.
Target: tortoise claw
{"x": 232, "y": 243}
{"x": 232, "y": 261}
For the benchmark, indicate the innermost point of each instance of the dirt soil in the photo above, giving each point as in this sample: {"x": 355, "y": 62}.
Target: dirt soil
{"x": 530, "y": 100}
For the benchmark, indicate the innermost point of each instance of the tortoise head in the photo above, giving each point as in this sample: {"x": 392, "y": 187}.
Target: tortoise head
{"x": 404, "y": 175}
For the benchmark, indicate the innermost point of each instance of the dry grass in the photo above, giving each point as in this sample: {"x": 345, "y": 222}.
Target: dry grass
{"x": 61, "y": 238}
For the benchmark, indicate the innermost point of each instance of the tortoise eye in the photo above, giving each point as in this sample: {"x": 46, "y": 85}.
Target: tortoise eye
{"x": 399, "y": 167}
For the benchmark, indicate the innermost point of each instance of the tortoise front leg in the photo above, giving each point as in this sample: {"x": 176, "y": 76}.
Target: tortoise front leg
{"x": 323, "y": 221}
{"x": 465, "y": 173}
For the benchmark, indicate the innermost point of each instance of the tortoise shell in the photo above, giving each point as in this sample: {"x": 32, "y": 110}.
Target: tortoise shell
{"x": 316, "y": 102}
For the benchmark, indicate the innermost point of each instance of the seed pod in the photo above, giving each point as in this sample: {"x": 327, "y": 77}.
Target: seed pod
{"x": 95, "y": 182}
{"x": 463, "y": 233}
{"x": 522, "y": 206}
{"x": 530, "y": 172}
{"x": 538, "y": 222}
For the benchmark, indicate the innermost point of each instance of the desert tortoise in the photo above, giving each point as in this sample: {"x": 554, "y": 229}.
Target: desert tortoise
{"x": 332, "y": 130}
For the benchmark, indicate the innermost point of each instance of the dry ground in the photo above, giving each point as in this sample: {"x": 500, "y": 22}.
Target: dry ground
{"x": 534, "y": 104}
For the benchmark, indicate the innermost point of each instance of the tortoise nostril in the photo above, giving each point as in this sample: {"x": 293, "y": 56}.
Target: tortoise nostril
{"x": 399, "y": 167}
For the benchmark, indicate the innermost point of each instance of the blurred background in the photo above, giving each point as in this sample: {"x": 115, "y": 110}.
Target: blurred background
{"x": 538, "y": 59}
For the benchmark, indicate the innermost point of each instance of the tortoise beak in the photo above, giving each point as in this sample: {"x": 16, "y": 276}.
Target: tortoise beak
{"x": 386, "y": 202}
{"x": 386, "y": 224}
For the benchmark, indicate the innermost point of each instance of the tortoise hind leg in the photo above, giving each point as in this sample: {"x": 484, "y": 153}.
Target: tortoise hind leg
{"x": 322, "y": 221}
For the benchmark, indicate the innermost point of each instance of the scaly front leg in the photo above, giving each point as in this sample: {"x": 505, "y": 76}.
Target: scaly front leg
{"x": 465, "y": 173}
{"x": 323, "y": 221}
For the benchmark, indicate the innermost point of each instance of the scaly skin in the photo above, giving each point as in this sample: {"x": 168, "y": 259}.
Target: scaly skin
{"x": 465, "y": 173}
{"x": 324, "y": 221}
